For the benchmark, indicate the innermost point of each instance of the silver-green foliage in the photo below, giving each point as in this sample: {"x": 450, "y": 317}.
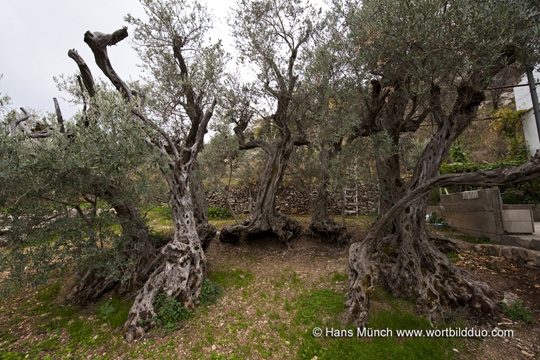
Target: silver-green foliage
{"x": 56, "y": 195}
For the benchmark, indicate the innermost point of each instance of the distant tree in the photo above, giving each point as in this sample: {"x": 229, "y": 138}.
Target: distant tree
{"x": 429, "y": 60}
{"x": 272, "y": 36}
{"x": 182, "y": 93}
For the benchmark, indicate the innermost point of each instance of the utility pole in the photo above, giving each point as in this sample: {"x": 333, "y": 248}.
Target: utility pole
{"x": 534, "y": 95}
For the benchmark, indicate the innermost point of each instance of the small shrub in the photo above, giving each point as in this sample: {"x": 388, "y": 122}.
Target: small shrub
{"x": 216, "y": 213}
{"x": 518, "y": 311}
{"x": 170, "y": 312}
{"x": 210, "y": 292}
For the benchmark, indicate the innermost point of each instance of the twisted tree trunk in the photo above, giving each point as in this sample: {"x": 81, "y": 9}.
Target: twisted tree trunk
{"x": 265, "y": 218}
{"x": 206, "y": 231}
{"x": 181, "y": 273}
{"x": 322, "y": 224}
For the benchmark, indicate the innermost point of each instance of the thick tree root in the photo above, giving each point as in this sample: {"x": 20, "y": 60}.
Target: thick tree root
{"x": 284, "y": 227}
{"x": 206, "y": 233}
{"x": 180, "y": 276}
{"x": 93, "y": 285}
{"x": 90, "y": 288}
{"x": 329, "y": 231}
{"x": 414, "y": 270}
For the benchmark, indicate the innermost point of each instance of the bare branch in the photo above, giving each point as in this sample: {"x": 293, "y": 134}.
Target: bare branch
{"x": 497, "y": 177}
{"x": 59, "y": 116}
{"x": 86, "y": 74}
{"x": 98, "y": 42}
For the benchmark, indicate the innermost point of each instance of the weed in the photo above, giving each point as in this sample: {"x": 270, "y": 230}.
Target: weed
{"x": 170, "y": 312}
{"x": 210, "y": 292}
{"x": 474, "y": 239}
{"x": 115, "y": 312}
{"x": 518, "y": 311}
{"x": 339, "y": 277}
{"x": 453, "y": 257}
{"x": 215, "y": 213}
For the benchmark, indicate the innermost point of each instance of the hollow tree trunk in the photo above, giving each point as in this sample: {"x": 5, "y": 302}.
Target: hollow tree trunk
{"x": 265, "y": 218}
{"x": 181, "y": 273}
{"x": 322, "y": 225}
{"x": 135, "y": 248}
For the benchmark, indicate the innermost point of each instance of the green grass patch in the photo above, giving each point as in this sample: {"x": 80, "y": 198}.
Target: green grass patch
{"x": 162, "y": 212}
{"x": 474, "y": 239}
{"x": 114, "y": 312}
{"x": 324, "y": 308}
{"x": 49, "y": 293}
{"x": 318, "y": 303}
{"x": 339, "y": 277}
{"x": 518, "y": 311}
{"x": 234, "y": 278}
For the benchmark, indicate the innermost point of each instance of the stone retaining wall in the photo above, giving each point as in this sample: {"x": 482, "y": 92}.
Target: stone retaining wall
{"x": 293, "y": 201}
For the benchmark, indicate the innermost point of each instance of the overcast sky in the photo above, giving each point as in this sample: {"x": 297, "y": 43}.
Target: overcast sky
{"x": 35, "y": 37}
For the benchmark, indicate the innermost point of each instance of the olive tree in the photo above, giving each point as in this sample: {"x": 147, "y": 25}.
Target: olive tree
{"x": 181, "y": 95}
{"x": 425, "y": 61}
{"x": 272, "y": 36}
{"x": 64, "y": 187}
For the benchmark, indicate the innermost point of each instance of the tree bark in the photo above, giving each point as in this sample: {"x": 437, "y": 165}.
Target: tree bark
{"x": 181, "y": 273}
{"x": 206, "y": 231}
{"x": 265, "y": 218}
{"x": 322, "y": 225}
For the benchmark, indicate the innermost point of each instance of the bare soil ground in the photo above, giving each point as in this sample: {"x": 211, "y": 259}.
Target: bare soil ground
{"x": 256, "y": 317}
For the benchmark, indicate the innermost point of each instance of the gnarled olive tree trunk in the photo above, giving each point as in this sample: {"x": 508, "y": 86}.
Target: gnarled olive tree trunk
{"x": 135, "y": 248}
{"x": 322, "y": 224}
{"x": 206, "y": 231}
{"x": 398, "y": 250}
{"x": 264, "y": 217}
{"x": 181, "y": 272}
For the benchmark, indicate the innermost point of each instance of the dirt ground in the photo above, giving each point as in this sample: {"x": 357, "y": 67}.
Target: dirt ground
{"x": 260, "y": 309}
{"x": 506, "y": 277}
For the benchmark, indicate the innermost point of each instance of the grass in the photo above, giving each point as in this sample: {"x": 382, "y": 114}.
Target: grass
{"x": 234, "y": 278}
{"x": 518, "y": 311}
{"x": 322, "y": 308}
{"x": 475, "y": 239}
{"x": 268, "y": 311}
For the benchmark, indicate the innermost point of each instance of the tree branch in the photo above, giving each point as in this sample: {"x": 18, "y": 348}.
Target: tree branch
{"x": 98, "y": 43}
{"x": 86, "y": 74}
{"x": 498, "y": 177}
{"x": 59, "y": 116}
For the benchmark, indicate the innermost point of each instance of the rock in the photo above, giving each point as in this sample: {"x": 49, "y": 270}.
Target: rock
{"x": 3, "y": 242}
{"x": 510, "y": 298}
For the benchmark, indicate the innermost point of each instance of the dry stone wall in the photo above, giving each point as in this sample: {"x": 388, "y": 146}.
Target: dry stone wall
{"x": 294, "y": 201}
